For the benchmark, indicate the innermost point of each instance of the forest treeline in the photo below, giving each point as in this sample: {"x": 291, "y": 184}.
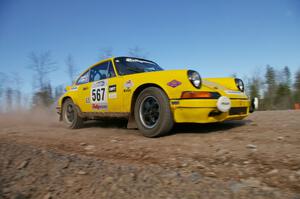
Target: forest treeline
{"x": 277, "y": 89}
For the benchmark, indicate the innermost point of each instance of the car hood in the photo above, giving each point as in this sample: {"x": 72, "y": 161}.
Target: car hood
{"x": 225, "y": 86}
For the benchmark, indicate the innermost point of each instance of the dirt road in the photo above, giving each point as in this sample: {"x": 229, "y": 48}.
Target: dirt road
{"x": 255, "y": 158}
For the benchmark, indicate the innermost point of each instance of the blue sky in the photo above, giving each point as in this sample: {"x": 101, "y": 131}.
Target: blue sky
{"x": 216, "y": 37}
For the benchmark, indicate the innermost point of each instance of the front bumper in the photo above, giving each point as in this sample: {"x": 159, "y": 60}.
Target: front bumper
{"x": 206, "y": 111}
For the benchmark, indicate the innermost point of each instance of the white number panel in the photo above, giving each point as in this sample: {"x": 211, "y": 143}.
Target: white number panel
{"x": 98, "y": 95}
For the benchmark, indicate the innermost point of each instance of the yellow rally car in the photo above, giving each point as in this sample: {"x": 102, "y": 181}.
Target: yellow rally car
{"x": 151, "y": 98}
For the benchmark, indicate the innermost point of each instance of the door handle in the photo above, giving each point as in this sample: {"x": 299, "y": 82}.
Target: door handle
{"x": 85, "y": 88}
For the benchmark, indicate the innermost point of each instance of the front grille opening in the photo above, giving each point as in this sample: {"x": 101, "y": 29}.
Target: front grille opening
{"x": 238, "y": 111}
{"x": 214, "y": 113}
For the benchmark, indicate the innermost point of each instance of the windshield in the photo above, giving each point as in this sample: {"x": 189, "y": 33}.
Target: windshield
{"x": 130, "y": 65}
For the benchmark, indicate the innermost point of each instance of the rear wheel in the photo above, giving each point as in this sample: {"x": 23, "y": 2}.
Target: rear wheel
{"x": 152, "y": 113}
{"x": 70, "y": 115}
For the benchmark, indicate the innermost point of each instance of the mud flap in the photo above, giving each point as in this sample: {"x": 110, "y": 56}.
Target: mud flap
{"x": 80, "y": 114}
{"x": 131, "y": 122}
{"x": 59, "y": 112}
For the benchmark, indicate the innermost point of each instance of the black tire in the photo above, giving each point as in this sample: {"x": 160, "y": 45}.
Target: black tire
{"x": 70, "y": 115}
{"x": 157, "y": 120}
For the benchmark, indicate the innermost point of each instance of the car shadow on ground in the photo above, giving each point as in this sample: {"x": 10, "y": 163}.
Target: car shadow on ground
{"x": 209, "y": 127}
{"x": 106, "y": 123}
{"x": 177, "y": 129}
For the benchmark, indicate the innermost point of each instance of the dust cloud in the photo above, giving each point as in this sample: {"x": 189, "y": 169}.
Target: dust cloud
{"x": 38, "y": 116}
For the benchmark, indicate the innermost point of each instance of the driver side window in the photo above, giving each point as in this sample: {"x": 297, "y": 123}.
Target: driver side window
{"x": 84, "y": 78}
{"x": 102, "y": 71}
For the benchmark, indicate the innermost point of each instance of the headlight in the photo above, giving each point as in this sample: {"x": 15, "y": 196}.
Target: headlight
{"x": 240, "y": 84}
{"x": 194, "y": 78}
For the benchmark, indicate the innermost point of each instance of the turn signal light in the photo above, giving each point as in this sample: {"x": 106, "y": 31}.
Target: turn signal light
{"x": 199, "y": 95}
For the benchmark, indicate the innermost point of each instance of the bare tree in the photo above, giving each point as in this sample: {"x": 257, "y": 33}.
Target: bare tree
{"x": 234, "y": 75}
{"x": 71, "y": 67}
{"x": 42, "y": 64}
{"x": 58, "y": 91}
{"x": 2, "y": 77}
{"x": 17, "y": 81}
{"x": 254, "y": 84}
{"x": 137, "y": 52}
{"x": 8, "y": 99}
{"x": 43, "y": 98}
{"x": 105, "y": 53}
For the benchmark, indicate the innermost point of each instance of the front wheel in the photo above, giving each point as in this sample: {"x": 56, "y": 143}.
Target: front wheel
{"x": 70, "y": 115}
{"x": 152, "y": 113}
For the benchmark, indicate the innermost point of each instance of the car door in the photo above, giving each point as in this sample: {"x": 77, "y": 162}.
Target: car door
{"x": 105, "y": 92}
{"x": 83, "y": 92}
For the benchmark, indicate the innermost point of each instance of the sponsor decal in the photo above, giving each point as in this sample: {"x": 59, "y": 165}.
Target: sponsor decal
{"x": 112, "y": 88}
{"x": 112, "y": 95}
{"x": 99, "y": 83}
{"x": 87, "y": 100}
{"x": 138, "y": 61}
{"x": 128, "y": 85}
{"x": 74, "y": 88}
{"x": 127, "y": 90}
{"x": 99, "y": 107}
{"x": 223, "y": 104}
{"x": 174, "y": 83}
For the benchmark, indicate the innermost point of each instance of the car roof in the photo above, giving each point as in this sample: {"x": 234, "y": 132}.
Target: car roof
{"x": 109, "y": 59}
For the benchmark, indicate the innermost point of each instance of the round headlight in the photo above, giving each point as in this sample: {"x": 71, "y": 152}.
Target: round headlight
{"x": 240, "y": 84}
{"x": 194, "y": 78}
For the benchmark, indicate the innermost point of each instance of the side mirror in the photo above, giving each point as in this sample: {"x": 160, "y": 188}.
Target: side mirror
{"x": 68, "y": 88}
{"x": 254, "y": 105}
